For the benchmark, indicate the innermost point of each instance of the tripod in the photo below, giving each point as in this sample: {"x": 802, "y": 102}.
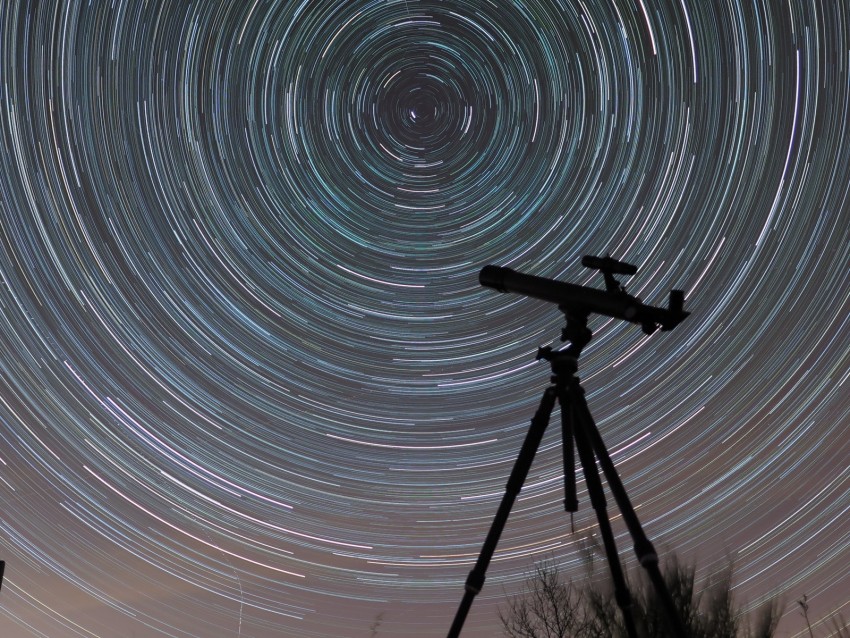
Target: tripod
{"x": 577, "y": 427}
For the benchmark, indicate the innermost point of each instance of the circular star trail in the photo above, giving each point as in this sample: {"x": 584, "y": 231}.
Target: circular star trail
{"x": 250, "y": 382}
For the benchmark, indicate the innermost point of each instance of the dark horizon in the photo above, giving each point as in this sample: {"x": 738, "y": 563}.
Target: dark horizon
{"x": 250, "y": 383}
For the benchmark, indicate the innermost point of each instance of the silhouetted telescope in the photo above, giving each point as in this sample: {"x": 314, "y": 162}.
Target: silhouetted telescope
{"x": 614, "y": 301}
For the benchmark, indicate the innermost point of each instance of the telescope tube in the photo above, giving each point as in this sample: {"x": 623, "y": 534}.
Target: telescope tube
{"x": 581, "y": 299}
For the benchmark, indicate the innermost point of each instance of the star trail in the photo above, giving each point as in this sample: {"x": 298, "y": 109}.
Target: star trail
{"x": 249, "y": 382}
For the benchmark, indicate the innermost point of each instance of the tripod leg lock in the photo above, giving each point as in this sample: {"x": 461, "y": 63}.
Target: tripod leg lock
{"x": 646, "y": 554}
{"x": 474, "y": 582}
{"x": 624, "y": 599}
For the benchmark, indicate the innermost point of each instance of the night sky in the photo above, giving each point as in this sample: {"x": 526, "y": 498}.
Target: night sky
{"x": 249, "y": 382}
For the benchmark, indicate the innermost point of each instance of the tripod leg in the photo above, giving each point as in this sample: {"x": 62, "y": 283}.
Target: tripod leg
{"x": 475, "y": 580}
{"x": 597, "y": 500}
{"x": 644, "y": 549}
{"x": 568, "y": 449}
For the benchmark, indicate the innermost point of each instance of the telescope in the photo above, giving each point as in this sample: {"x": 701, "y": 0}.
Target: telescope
{"x": 578, "y": 430}
{"x": 577, "y": 300}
